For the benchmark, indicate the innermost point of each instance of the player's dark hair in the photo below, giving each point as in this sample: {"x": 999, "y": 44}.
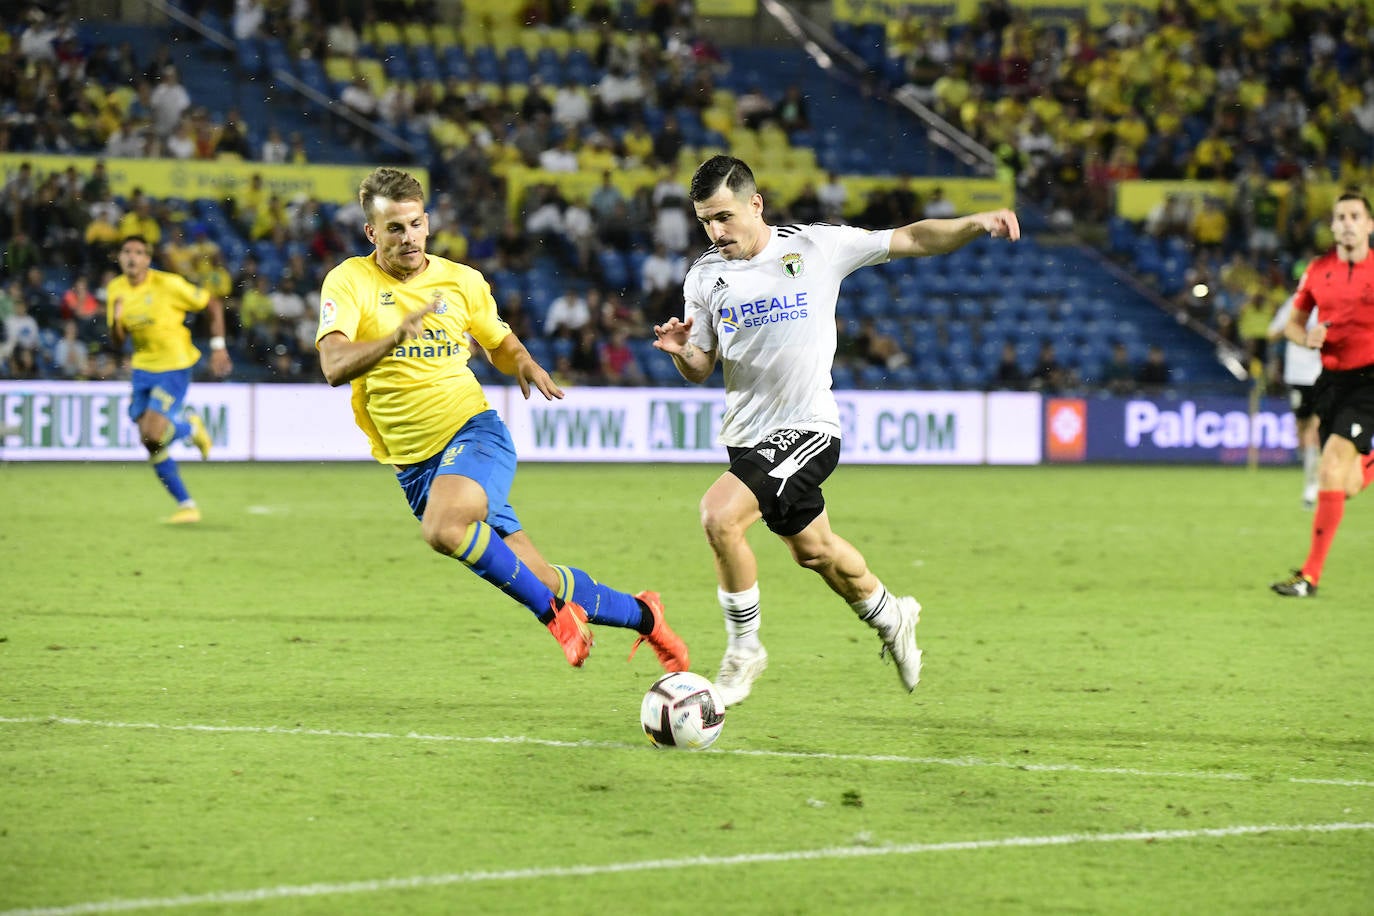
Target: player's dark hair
{"x": 393, "y": 184}
{"x": 718, "y": 170}
{"x": 135, "y": 238}
{"x": 1352, "y": 194}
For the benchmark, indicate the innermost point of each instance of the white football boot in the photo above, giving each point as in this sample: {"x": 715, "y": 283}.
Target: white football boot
{"x": 738, "y": 671}
{"x": 900, "y": 642}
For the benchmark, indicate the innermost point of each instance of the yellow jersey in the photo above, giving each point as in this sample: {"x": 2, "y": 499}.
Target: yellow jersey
{"x": 154, "y": 317}
{"x": 412, "y": 402}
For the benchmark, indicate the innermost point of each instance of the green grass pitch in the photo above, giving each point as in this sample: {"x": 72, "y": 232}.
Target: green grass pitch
{"x": 296, "y": 707}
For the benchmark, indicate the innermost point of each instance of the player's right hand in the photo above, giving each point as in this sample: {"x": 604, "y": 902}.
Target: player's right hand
{"x": 672, "y": 336}
{"x": 412, "y": 324}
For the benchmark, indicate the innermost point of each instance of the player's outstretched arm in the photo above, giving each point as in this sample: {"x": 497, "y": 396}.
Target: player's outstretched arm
{"x": 343, "y": 360}
{"x": 511, "y": 358}
{"x": 694, "y": 363}
{"x": 941, "y": 236}
{"x": 220, "y": 363}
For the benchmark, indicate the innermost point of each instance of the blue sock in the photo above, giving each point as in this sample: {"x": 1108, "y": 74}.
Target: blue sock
{"x": 166, "y": 469}
{"x": 602, "y": 604}
{"x": 489, "y": 557}
{"x": 180, "y": 429}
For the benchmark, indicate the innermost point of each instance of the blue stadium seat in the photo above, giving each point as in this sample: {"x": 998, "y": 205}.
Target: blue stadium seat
{"x": 516, "y": 65}
{"x": 426, "y": 64}
{"x": 486, "y": 67}
{"x": 249, "y": 54}
{"x": 841, "y": 379}
{"x": 614, "y": 269}
{"x": 969, "y": 377}
{"x": 903, "y": 378}
{"x": 935, "y": 376}
{"x": 456, "y": 63}
{"x": 662, "y": 372}
{"x": 873, "y": 378}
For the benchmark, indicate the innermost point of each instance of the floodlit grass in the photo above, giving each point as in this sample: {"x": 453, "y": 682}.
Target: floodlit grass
{"x": 295, "y": 707}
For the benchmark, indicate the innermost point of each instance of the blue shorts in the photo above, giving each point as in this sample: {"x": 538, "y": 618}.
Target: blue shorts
{"x": 162, "y": 392}
{"x": 481, "y": 450}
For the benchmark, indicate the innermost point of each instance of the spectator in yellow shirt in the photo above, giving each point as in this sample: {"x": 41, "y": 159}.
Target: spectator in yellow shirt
{"x": 140, "y": 221}
{"x": 1210, "y": 226}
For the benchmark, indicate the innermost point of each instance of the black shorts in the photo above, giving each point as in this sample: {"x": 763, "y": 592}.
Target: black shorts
{"x": 1345, "y": 402}
{"x": 1300, "y": 397}
{"x": 785, "y": 472}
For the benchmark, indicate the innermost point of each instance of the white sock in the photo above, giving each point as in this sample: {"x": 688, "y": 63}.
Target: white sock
{"x": 741, "y": 616}
{"x": 186, "y": 504}
{"x": 1311, "y": 457}
{"x": 878, "y": 610}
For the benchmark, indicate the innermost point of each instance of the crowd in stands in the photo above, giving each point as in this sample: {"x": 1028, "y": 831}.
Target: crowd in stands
{"x": 1272, "y": 105}
{"x": 1178, "y": 92}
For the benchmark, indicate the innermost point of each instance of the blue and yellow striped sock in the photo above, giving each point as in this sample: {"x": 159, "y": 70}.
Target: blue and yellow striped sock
{"x": 489, "y": 557}
{"x": 602, "y": 604}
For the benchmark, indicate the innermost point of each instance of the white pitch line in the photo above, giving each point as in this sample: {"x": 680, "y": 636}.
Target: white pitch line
{"x": 970, "y": 762}
{"x": 296, "y": 891}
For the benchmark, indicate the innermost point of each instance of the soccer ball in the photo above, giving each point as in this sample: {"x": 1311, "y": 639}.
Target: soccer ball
{"x": 682, "y": 710}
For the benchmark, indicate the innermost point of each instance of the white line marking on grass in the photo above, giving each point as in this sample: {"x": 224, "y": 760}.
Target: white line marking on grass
{"x": 282, "y": 892}
{"x": 972, "y": 762}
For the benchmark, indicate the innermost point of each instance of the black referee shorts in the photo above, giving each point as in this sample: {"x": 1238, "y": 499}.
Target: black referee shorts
{"x": 1344, "y": 401}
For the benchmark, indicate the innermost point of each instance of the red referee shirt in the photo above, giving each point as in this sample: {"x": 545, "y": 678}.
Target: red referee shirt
{"x": 1344, "y": 292}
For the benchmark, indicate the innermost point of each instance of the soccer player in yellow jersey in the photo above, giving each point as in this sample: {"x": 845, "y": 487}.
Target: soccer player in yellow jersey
{"x": 396, "y": 324}
{"x": 150, "y": 306}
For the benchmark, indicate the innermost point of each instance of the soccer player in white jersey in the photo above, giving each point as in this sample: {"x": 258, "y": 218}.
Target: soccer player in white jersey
{"x": 1301, "y": 366}
{"x": 762, "y": 300}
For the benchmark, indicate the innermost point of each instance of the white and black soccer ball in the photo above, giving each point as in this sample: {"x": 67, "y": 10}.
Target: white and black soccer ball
{"x": 682, "y": 710}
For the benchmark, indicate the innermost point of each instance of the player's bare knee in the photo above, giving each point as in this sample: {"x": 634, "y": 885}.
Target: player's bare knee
{"x": 716, "y": 523}
{"x": 815, "y": 560}
{"x": 448, "y": 535}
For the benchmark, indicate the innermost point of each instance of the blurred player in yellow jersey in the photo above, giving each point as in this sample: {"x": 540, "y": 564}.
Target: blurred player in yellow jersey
{"x": 150, "y": 306}
{"x": 396, "y": 324}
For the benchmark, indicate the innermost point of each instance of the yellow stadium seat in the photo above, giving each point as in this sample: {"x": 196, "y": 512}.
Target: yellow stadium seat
{"x": 372, "y": 71}
{"x": 585, "y": 40}
{"x": 771, "y": 136}
{"x": 444, "y": 36}
{"x": 504, "y": 36}
{"x": 338, "y": 69}
{"x": 473, "y": 32}
{"x": 560, "y": 40}
{"x": 531, "y": 41}
{"x": 416, "y": 35}
{"x": 723, "y": 122}
{"x": 801, "y": 159}
{"x": 745, "y": 143}
{"x": 385, "y": 33}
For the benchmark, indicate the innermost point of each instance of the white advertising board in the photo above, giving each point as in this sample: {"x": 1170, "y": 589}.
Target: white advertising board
{"x": 87, "y": 421}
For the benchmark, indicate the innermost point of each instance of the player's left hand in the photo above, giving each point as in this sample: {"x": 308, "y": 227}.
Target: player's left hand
{"x": 1000, "y": 224}
{"x": 532, "y": 375}
{"x": 220, "y": 363}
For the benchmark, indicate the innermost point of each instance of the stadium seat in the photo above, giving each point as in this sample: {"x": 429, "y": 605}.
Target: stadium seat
{"x": 872, "y": 378}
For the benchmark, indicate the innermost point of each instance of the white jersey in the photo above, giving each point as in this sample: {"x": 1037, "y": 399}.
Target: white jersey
{"x": 1301, "y": 365}
{"x": 772, "y": 319}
